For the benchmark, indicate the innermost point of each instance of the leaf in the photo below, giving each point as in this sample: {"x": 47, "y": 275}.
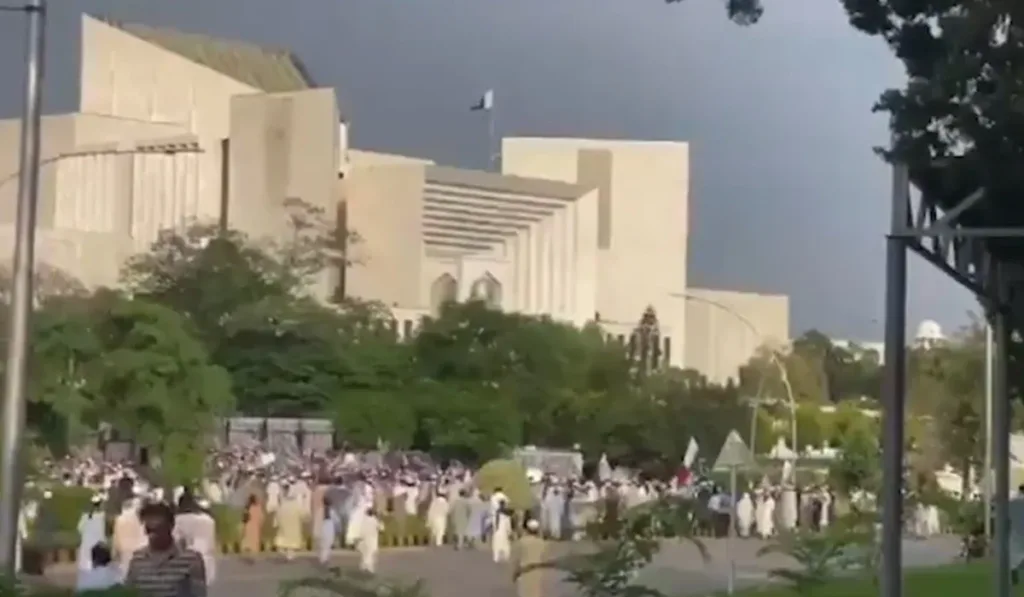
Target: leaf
{"x": 352, "y": 583}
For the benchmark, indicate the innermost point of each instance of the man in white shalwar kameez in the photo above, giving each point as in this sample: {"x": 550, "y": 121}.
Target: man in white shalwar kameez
{"x": 788, "y": 514}
{"x": 92, "y": 530}
{"x": 273, "y": 496}
{"x": 501, "y": 540}
{"x": 437, "y": 518}
{"x": 205, "y": 540}
{"x": 744, "y": 515}
{"x": 823, "y": 513}
{"x": 360, "y": 503}
{"x": 23, "y": 524}
{"x": 368, "y": 540}
{"x": 196, "y": 530}
{"x": 932, "y": 524}
{"x": 766, "y": 516}
{"x": 920, "y": 519}
{"x": 129, "y": 534}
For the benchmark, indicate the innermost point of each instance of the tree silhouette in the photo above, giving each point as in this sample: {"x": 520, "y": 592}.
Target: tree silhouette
{"x": 645, "y": 343}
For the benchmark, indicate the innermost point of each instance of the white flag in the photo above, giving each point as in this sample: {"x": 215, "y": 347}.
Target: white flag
{"x": 691, "y": 453}
{"x": 485, "y": 103}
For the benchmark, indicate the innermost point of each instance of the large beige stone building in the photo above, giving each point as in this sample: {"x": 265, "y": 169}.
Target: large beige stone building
{"x": 581, "y": 230}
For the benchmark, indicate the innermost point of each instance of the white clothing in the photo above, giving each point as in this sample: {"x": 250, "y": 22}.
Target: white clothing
{"x": 205, "y": 542}
{"x": 932, "y": 520}
{"x": 412, "y": 495}
{"x": 129, "y": 535}
{"x": 98, "y": 579}
{"x": 501, "y": 542}
{"x": 273, "y": 496}
{"x": 92, "y": 529}
{"x": 368, "y": 542}
{"x": 301, "y": 492}
{"x": 766, "y": 517}
{"x": 22, "y": 535}
{"x": 496, "y": 500}
{"x": 788, "y": 515}
{"x": 744, "y": 515}
{"x": 823, "y": 519}
{"x": 437, "y": 519}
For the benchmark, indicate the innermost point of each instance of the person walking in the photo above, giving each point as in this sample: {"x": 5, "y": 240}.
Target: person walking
{"x": 327, "y": 530}
{"x": 501, "y": 538}
{"x": 461, "y": 513}
{"x": 163, "y": 568}
{"x": 529, "y": 553}
{"x": 129, "y": 533}
{"x": 368, "y": 540}
{"x": 92, "y": 530}
{"x": 252, "y": 526}
{"x": 437, "y": 518}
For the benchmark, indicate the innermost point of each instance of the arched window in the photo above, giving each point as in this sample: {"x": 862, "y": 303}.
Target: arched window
{"x": 444, "y": 290}
{"x": 486, "y": 289}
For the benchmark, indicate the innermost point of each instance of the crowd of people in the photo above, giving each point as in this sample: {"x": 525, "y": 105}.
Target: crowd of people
{"x": 333, "y": 499}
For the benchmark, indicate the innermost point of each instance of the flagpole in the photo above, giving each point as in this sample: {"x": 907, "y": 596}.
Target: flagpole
{"x": 486, "y": 103}
{"x": 492, "y": 149}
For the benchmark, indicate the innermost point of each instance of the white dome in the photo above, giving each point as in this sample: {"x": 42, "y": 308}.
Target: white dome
{"x": 929, "y": 330}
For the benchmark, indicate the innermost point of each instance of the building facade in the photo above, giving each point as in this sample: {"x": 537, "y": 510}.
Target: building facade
{"x": 524, "y": 245}
{"x": 174, "y": 128}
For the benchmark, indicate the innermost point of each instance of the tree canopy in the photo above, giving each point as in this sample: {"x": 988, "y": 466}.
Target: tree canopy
{"x": 217, "y": 324}
{"x": 957, "y": 120}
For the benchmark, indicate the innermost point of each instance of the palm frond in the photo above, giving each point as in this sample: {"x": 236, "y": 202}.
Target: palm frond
{"x": 347, "y": 582}
{"x": 795, "y": 577}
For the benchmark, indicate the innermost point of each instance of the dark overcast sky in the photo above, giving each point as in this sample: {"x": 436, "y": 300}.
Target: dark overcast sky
{"x": 786, "y": 194}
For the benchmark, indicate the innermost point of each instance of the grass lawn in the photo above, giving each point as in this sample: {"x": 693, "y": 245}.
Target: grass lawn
{"x": 955, "y": 580}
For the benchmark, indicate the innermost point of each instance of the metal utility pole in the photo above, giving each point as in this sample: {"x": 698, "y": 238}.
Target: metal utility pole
{"x": 893, "y": 390}
{"x": 21, "y": 295}
{"x": 1001, "y": 444}
{"x": 986, "y": 478}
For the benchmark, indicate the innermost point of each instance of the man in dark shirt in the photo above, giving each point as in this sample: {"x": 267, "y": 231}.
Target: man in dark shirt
{"x": 163, "y": 568}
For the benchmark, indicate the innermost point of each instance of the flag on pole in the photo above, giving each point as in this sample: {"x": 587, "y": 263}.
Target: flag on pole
{"x": 691, "y": 453}
{"x": 485, "y": 103}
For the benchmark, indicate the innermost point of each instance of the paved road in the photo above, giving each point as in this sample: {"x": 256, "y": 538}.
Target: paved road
{"x": 678, "y": 569}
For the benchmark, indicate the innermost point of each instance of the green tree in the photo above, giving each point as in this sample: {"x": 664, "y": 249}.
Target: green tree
{"x": 378, "y": 399}
{"x": 856, "y": 467}
{"x": 762, "y": 376}
{"x": 849, "y": 419}
{"x": 284, "y": 357}
{"x": 813, "y": 426}
{"x": 49, "y": 282}
{"x": 154, "y": 381}
{"x": 685, "y": 404}
{"x": 473, "y": 422}
{"x": 551, "y": 373}
{"x": 854, "y": 373}
{"x": 644, "y": 348}
{"x": 207, "y": 274}
{"x": 64, "y": 345}
{"x": 947, "y": 394}
{"x": 964, "y": 66}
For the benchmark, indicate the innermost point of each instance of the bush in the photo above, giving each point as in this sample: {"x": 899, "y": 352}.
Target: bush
{"x": 510, "y": 476}
{"x": 229, "y": 523}
{"x": 56, "y": 523}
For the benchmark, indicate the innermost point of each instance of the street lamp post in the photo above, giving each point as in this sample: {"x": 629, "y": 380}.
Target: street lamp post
{"x": 21, "y": 311}
{"x": 773, "y": 355}
{"x": 21, "y": 295}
